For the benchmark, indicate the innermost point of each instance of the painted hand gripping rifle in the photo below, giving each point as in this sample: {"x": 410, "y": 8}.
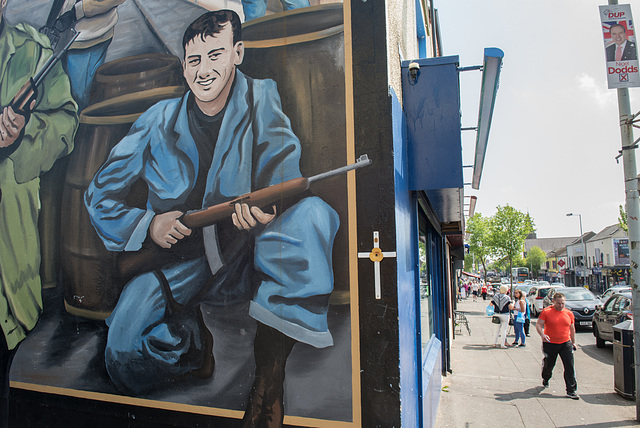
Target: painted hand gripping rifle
{"x": 21, "y": 102}
{"x": 151, "y": 257}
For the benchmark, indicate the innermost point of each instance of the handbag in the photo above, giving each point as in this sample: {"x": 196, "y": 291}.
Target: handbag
{"x": 495, "y": 319}
{"x": 490, "y": 310}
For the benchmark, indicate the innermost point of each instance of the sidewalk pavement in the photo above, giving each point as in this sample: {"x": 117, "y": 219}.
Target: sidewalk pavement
{"x": 492, "y": 387}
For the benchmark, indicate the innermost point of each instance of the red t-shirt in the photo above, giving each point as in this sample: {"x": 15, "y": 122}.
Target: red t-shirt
{"x": 557, "y": 324}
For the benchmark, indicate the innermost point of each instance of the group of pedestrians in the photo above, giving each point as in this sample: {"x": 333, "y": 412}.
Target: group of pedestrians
{"x": 508, "y": 312}
{"x": 503, "y": 307}
{"x": 474, "y": 289}
{"x": 555, "y": 325}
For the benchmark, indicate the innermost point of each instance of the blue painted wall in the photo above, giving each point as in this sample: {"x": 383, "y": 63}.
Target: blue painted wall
{"x": 408, "y": 275}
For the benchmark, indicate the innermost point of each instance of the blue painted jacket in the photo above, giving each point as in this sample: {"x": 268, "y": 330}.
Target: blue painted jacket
{"x": 255, "y": 148}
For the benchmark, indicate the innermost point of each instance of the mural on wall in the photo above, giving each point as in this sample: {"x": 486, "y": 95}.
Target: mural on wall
{"x": 185, "y": 258}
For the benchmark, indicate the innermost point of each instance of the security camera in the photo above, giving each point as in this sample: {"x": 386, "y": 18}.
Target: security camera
{"x": 414, "y": 68}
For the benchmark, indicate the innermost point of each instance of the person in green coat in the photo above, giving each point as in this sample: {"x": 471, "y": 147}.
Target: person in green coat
{"x": 29, "y": 146}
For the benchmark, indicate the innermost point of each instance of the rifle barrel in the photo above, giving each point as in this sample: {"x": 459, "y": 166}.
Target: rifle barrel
{"x": 42, "y": 73}
{"x": 360, "y": 162}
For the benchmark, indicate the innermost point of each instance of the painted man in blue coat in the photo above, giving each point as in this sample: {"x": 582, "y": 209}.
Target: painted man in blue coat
{"x": 226, "y": 137}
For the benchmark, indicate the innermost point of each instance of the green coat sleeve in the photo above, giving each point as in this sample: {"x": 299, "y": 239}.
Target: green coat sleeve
{"x": 51, "y": 127}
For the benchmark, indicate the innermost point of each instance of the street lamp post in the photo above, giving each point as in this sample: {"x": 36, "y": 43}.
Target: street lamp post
{"x": 584, "y": 249}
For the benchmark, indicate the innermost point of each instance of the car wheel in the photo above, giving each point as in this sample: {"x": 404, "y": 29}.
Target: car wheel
{"x": 599, "y": 341}
{"x": 535, "y": 312}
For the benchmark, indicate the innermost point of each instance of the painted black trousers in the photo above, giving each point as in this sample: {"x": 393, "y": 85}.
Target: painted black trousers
{"x": 6, "y": 356}
{"x": 551, "y": 352}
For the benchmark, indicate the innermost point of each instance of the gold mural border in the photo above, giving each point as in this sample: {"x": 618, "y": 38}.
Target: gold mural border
{"x": 87, "y": 118}
{"x": 166, "y": 405}
{"x": 353, "y": 219}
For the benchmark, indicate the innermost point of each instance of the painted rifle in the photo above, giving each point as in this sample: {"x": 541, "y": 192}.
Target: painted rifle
{"x": 21, "y": 102}
{"x": 152, "y": 257}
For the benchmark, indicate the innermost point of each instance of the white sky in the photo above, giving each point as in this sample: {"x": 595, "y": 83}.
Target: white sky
{"x": 555, "y": 131}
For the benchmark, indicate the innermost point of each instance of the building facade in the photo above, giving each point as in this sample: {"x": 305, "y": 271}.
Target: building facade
{"x": 608, "y": 258}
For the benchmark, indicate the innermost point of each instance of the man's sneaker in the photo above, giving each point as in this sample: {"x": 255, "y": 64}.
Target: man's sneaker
{"x": 573, "y": 395}
{"x": 521, "y": 345}
{"x": 545, "y": 383}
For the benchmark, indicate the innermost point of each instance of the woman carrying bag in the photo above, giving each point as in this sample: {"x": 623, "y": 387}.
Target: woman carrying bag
{"x": 502, "y": 305}
{"x": 519, "y": 312}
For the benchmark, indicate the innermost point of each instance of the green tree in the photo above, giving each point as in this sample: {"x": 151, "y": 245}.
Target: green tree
{"x": 468, "y": 263}
{"x": 479, "y": 248}
{"x": 622, "y": 220}
{"x": 422, "y": 253}
{"x": 508, "y": 229}
{"x": 499, "y": 266}
{"x": 535, "y": 258}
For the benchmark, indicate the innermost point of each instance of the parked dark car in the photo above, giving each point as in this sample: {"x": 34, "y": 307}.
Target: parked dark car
{"x": 616, "y": 309}
{"x": 579, "y": 300}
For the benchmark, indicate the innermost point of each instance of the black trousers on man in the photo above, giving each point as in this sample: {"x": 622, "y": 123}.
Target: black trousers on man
{"x": 551, "y": 352}
{"x": 6, "y": 356}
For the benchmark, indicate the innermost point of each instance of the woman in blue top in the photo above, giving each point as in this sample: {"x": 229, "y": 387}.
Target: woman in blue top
{"x": 519, "y": 313}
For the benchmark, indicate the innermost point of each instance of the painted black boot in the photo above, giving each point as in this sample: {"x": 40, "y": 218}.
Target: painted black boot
{"x": 266, "y": 406}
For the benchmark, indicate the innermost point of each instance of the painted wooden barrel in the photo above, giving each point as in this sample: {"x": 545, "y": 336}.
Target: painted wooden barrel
{"x": 115, "y": 78}
{"x": 91, "y": 288}
{"x": 303, "y": 51}
{"x": 51, "y": 185}
{"x": 134, "y": 74}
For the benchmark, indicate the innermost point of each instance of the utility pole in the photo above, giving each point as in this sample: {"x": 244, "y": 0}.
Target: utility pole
{"x": 633, "y": 213}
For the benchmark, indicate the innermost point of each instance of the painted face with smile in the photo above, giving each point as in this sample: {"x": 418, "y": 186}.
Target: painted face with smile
{"x": 209, "y": 68}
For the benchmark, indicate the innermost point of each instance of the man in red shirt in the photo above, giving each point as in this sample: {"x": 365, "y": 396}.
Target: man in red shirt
{"x": 556, "y": 326}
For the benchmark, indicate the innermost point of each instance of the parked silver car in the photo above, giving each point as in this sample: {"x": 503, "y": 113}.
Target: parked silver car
{"x": 615, "y": 289}
{"x": 536, "y": 295}
{"x": 618, "y": 308}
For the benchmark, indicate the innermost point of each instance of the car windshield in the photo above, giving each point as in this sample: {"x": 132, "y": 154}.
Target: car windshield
{"x": 543, "y": 292}
{"x": 580, "y": 294}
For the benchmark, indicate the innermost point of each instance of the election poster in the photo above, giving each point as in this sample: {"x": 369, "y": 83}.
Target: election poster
{"x": 621, "y": 251}
{"x": 620, "y": 46}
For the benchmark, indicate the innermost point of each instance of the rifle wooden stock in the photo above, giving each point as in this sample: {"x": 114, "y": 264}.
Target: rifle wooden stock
{"x": 260, "y": 198}
{"x": 152, "y": 257}
{"x": 26, "y": 94}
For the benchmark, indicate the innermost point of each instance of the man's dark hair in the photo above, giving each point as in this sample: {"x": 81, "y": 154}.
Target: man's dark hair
{"x": 611, "y": 28}
{"x": 558, "y": 295}
{"x": 212, "y": 23}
